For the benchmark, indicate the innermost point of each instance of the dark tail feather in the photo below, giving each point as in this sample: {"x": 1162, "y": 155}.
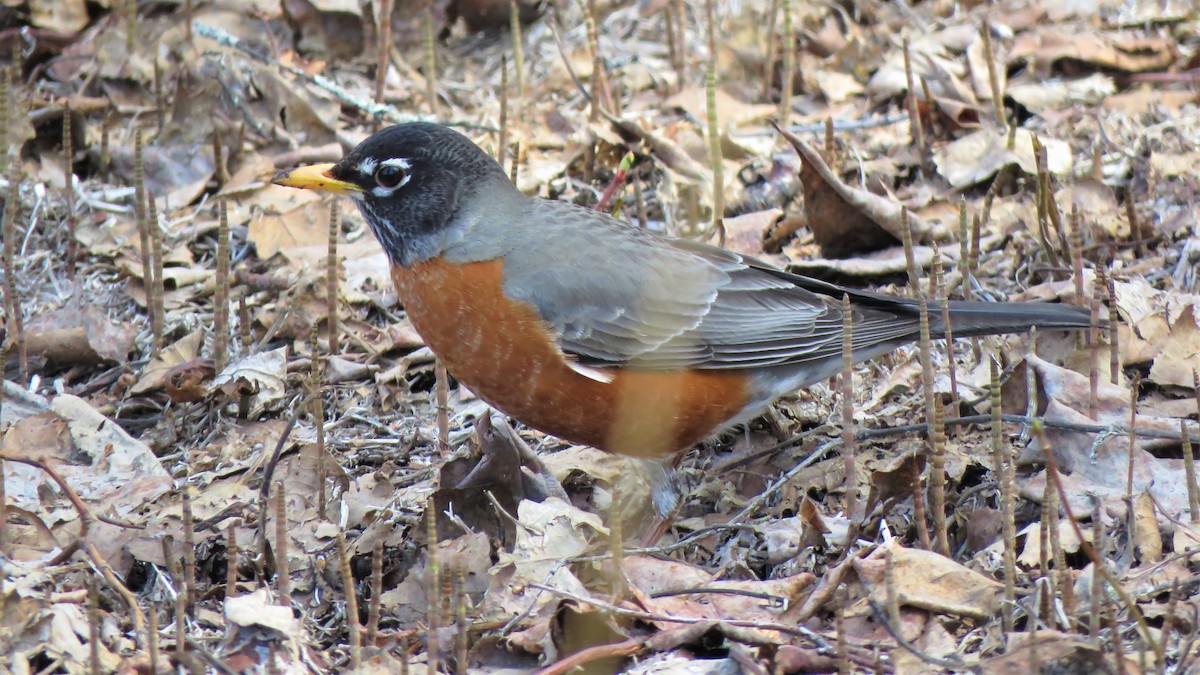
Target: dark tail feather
{"x": 969, "y": 319}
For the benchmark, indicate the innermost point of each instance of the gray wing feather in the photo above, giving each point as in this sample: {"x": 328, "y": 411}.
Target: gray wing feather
{"x": 614, "y": 301}
{"x": 629, "y": 300}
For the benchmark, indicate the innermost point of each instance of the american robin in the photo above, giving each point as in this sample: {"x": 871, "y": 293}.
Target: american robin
{"x": 597, "y": 332}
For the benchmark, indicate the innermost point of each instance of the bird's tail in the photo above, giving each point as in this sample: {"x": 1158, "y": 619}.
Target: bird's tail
{"x": 971, "y": 318}
{"x": 968, "y": 318}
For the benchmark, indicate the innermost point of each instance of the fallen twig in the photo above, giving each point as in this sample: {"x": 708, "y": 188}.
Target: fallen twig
{"x": 94, "y": 557}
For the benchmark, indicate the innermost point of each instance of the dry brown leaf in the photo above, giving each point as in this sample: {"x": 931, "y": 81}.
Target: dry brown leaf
{"x": 17, "y": 403}
{"x": 665, "y": 151}
{"x": 652, "y": 576}
{"x": 249, "y": 192}
{"x": 1049, "y": 651}
{"x": 949, "y": 115}
{"x": 308, "y": 307}
{"x": 267, "y": 636}
{"x": 79, "y": 335}
{"x": 59, "y": 631}
{"x": 977, "y": 65}
{"x": 1098, "y": 467}
{"x": 977, "y": 157}
{"x": 786, "y": 538}
{"x": 930, "y": 60}
{"x": 1165, "y": 166}
{"x": 304, "y": 227}
{"x": 539, "y": 168}
{"x": 475, "y": 491}
{"x": 181, "y": 351}
{"x": 1185, "y": 536}
{"x": 1180, "y": 354}
{"x": 66, "y": 16}
{"x": 176, "y": 174}
{"x": 893, "y": 478}
{"x": 108, "y": 236}
{"x": 187, "y": 381}
{"x": 1031, "y": 552}
{"x": 1143, "y": 328}
{"x": 550, "y": 532}
{"x": 569, "y": 464}
{"x": 845, "y": 220}
{"x": 1041, "y": 95}
{"x": 104, "y": 53}
{"x": 875, "y": 265}
{"x": 327, "y": 29}
{"x": 929, "y": 581}
{"x": 745, "y": 233}
{"x": 838, "y": 87}
{"x": 1128, "y": 53}
{"x": 256, "y": 609}
{"x": 1160, "y": 328}
{"x": 227, "y": 496}
{"x": 983, "y": 527}
{"x": 1097, "y": 207}
{"x": 1143, "y": 100}
{"x": 262, "y": 377}
{"x": 731, "y": 112}
{"x": 112, "y": 472}
{"x": 1147, "y": 539}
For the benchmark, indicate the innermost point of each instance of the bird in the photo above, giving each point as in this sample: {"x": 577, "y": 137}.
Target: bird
{"x": 599, "y": 332}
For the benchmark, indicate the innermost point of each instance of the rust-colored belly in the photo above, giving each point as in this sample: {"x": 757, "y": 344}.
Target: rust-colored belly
{"x": 503, "y": 351}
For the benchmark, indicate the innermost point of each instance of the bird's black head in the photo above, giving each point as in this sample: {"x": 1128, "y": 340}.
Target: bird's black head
{"x": 410, "y": 182}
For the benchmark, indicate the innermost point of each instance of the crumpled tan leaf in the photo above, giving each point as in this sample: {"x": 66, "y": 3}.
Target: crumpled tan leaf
{"x": 978, "y": 156}
{"x": 930, "y": 581}
{"x": 551, "y": 532}
{"x": 79, "y": 335}
{"x": 112, "y": 472}
{"x": 1092, "y": 466}
{"x": 261, "y": 376}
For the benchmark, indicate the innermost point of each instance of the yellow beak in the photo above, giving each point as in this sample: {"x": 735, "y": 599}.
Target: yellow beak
{"x": 315, "y": 177}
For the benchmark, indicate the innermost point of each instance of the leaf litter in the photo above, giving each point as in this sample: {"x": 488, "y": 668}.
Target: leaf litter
{"x": 142, "y": 481}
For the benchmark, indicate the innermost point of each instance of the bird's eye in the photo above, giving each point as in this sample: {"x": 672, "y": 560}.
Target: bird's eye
{"x": 390, "y": 176}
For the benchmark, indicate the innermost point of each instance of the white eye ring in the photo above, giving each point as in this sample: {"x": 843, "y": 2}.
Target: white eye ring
{"x": 390, "y": 175}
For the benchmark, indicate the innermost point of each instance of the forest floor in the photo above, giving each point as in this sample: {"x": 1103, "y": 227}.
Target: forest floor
{"x": 178, "y": 496}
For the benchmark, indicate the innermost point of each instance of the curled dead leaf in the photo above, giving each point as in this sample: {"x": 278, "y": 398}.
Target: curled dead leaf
{"x": 160, "y": 369}
{"x": 262, "y": 377}
{"x": 185, "y": 382}
{"x": 79, "y": 335}
{"x": 846, "y": 220}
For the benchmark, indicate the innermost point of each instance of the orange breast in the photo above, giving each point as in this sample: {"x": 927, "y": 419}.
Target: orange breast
{"x": 504, "y": 352}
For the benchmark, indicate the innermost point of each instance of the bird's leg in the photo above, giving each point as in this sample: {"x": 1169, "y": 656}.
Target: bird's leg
{"x": 666, "y": 493}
